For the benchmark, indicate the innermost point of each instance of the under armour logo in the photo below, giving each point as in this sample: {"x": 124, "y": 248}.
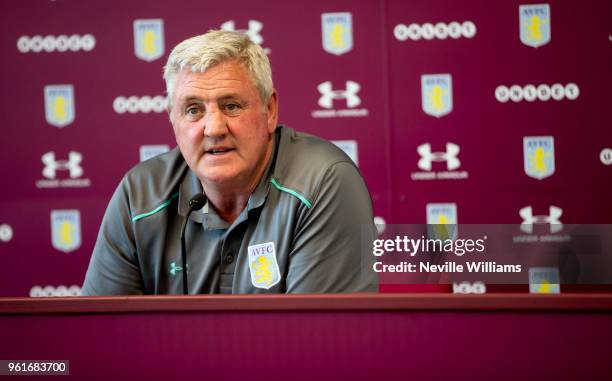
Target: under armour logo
{"x": 529, "y": 219}
{"x": 253, "y": 32}
{"x": 174, "y": 268}
{"x": 72, "y": 164}
{"x": 427, "y": 157}
{"x": 328, "y": 94}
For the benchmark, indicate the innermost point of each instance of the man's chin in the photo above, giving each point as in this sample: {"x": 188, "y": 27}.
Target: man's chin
{"x": 217, "y": 178}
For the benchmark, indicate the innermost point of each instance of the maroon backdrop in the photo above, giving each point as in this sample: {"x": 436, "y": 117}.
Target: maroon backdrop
{"x": 379, "y": 58}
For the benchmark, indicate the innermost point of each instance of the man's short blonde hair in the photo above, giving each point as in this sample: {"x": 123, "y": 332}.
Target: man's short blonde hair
{"x": 202, "y": 52}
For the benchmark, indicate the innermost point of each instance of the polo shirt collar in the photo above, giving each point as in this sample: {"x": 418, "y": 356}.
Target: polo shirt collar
{"x": 258, "y": 197}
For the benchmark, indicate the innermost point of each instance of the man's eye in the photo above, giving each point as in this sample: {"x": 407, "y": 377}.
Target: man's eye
{"x": 192, "y": 111}
{"x": 232, "y": 107}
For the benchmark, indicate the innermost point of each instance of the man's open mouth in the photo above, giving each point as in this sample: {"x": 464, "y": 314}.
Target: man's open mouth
{"x": 219, "y": 151}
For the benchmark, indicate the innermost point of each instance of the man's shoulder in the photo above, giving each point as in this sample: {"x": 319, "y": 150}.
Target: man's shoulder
{"x": 154, "y": 181}
{"x": 319, "y": 152}
{"x": 304, "y": 160}
{"x": 159, "y": 167}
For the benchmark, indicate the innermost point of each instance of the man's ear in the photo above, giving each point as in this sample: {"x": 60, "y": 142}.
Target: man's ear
{"x": 272, "y": 111}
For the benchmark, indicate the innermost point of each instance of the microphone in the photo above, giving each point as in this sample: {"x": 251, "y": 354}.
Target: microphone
{"x": 195, "y": 203}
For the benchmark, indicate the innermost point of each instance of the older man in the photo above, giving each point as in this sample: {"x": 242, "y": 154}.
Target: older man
{"x": 285, "y": 210}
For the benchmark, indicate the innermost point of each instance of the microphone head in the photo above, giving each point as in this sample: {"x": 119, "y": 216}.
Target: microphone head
{"x": 197, "y": 201}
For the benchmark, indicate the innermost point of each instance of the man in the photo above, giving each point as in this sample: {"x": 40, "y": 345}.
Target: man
{"x": 284, "y": 212}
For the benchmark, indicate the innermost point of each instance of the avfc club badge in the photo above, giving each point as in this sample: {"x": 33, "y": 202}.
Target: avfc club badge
{"x": 534, "y": 24}
{"x": 66, "y": 230}
{"x": 149, "y": 39}
{"x": 149, "y": 151}
{"x": 442, "y": 214}
{"x": 442, "y": 221}
{"x": 337, "y": 30}
{"x": 437, "y": 94}
{"x": 349, "y": 147}
{"x": 264, "y": 268}
{"x": 544, "y": 280}
{"x": 59, "y": 105}
{"x": 539, "y": 156}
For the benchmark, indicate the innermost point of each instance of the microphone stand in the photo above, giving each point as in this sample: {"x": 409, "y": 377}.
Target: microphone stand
{"x": 195, "y": 203}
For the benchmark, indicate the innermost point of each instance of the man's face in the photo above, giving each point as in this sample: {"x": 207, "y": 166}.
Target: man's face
{"x": 221, "y": 126}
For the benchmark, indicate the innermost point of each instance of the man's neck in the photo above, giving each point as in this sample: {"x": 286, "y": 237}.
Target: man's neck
{"x": 228, "y": 206}
{"x": 230, "y": 201}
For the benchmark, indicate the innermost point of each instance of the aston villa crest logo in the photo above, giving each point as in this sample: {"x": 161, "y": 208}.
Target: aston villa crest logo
{"x": 337, "y": 30}
{"x": 149, "y": 39}
{"x": 59, "y": 105}
{"x": 66, "y": 230}
{"x": 442, "y": 220}
{"x": 544, "y": 280}
{"x": 264, "y": 268}
{"x": 539, "y": 156}
{"x": 534, "y": 24}
{"x": 437, "y": 94}
{"x": 442, "y": 214}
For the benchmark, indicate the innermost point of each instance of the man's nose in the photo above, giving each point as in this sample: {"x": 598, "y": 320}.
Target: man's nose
{"x": 215, "y": 124}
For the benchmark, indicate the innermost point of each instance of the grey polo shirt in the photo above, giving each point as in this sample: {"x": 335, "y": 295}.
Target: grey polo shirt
{"x": 300, "y": 232}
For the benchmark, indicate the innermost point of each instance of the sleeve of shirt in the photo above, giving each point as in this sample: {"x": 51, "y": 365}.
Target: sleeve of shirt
{"x": 113, "y": 268}
{"x": 326, "y": 255}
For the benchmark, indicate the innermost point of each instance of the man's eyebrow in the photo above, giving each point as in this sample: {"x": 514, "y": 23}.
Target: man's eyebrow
{"x": 194, "y": 98}
{"x": 190, "y": 98}
{"x": 229, "y": 96}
